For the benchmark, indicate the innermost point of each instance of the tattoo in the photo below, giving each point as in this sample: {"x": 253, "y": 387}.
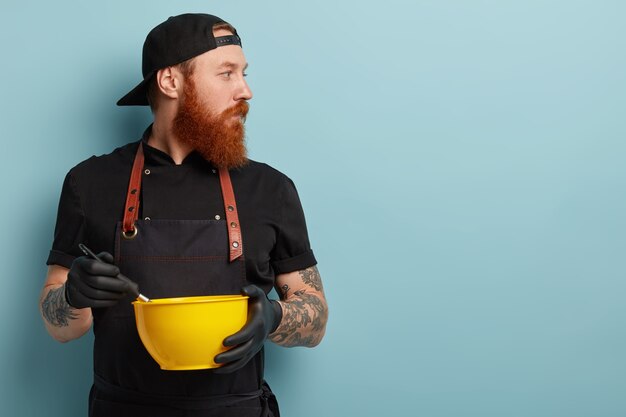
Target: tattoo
{"x": 55, "y": 309}
{"x": 304, "y": 314}
{"x": 311, "y": 276}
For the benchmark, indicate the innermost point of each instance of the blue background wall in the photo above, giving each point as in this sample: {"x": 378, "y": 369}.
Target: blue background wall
{"x": 461, "y": 165}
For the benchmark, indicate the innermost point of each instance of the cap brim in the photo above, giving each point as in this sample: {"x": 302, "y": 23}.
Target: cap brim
{"x": 138, "y": 96}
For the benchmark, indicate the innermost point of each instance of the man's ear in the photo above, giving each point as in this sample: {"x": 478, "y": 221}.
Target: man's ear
{"x": 169, "y": 82}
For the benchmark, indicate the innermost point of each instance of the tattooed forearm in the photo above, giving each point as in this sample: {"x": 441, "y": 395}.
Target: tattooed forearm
{"x": 304, "y": 320}
{"x": 311, "y": 276}
{"x": 305, "y": 311}
{"x": 56, "y": 310}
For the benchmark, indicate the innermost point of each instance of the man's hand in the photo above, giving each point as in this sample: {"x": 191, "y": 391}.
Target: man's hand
{"x": 91, "y": 283}
{"x": 264, "y": 316}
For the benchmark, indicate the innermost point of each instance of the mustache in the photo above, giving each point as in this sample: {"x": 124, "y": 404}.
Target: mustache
{"x": 240, "y": 109}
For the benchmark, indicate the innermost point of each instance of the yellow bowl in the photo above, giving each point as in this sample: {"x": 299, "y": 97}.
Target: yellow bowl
{"x": 187, "y": 332}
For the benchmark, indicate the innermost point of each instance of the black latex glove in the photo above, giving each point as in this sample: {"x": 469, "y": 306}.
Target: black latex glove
{"x": 264, "y": 316}
{"x": 91, "y": 283}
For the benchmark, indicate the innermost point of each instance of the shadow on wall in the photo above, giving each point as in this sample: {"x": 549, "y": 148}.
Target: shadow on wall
{"x": 114, "y": 125}
{"x": 125, "y": 124}
{"x": 46, "y": 376}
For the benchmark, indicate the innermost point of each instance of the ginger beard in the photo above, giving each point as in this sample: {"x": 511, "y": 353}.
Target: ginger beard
{"x": 219, "y": 138}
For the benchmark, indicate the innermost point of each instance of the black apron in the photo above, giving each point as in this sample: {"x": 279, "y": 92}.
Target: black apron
{"x": 172, "y": 258}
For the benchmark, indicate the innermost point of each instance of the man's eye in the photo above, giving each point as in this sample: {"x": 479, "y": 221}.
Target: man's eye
{"x": 245, "y": 74}
{"x": 226, "y": 74}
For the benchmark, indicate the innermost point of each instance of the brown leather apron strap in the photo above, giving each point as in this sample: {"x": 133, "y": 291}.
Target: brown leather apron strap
{"x": 235, "y": 245}
{"x": 131, "y": 211}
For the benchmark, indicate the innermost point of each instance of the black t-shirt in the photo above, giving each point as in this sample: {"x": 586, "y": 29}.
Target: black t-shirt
{"x": 273, "y": 227}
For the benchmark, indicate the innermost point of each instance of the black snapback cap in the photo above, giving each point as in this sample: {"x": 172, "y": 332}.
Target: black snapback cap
{"x": 177, "y": 39}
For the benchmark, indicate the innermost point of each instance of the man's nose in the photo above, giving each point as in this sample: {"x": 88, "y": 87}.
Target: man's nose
{"x": 243, "y": 92}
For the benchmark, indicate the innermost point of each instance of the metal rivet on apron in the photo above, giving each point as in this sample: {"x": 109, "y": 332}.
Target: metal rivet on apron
{"x": 131, "y": 234}
{"x": 235, "y": 244}
{"x": 147, "y": 172}
{"x": 217, "y": 217}
{"x": 233, "y": 224}
{"x": 131, "y": 208}
{"x": 214, "y": 171}
{"x": 231, "y": 208}
{"x": 147, "y": 218}
{"x": 134, "y": 191}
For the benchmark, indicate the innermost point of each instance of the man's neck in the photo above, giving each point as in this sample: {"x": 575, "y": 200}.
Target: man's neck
{"x": 161, "y": 138}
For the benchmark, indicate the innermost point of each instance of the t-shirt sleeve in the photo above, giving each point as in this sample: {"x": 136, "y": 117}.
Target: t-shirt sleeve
{"x": 292, "y": 251}
{"x": 70, "y": 226}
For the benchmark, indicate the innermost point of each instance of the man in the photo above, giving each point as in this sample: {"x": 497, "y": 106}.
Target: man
{"x": 183, "y": 212}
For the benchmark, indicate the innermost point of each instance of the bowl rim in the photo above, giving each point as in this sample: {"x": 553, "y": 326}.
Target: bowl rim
{"x": 198, "y": 299}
